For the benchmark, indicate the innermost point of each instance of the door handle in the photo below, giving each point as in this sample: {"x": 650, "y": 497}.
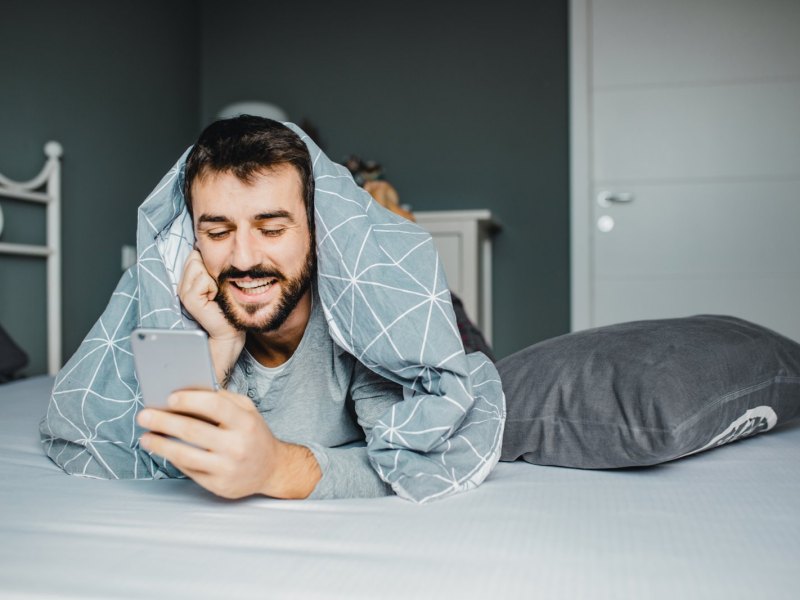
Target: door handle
{"x": 606, "y": 198}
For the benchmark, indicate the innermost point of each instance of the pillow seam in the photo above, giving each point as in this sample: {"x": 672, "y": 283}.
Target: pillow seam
{"x": 734, "y": 395}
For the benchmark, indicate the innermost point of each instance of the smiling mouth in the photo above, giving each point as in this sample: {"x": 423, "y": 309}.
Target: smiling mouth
{"x": 254, "y": 287}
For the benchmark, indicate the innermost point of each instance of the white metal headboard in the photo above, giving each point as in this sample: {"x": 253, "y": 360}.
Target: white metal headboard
{"x": 49, "y": 180}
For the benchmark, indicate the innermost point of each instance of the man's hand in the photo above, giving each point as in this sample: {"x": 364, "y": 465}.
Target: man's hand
{"x": 197, "y": 292}
{"x": 235, "y": 458}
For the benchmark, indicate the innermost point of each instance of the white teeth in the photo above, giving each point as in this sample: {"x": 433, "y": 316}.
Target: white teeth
{"x": 256, "y": 286}
{"x": 251, "y": 284}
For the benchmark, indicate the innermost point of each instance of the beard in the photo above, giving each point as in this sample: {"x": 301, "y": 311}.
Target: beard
{"x": 292, "y": 291}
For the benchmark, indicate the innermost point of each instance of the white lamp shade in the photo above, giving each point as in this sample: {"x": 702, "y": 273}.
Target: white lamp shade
{"x": 255, "y": 108}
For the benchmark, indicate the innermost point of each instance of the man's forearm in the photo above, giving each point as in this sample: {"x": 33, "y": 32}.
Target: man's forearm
{"x": 347, "y": 473}
{"x": 224, "y": 354}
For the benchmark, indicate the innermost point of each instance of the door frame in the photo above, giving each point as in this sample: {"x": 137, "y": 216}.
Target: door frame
{"x": 580, "y": 162}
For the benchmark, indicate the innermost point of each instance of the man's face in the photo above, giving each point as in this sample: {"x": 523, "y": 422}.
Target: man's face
{"x": 255, "y": 243}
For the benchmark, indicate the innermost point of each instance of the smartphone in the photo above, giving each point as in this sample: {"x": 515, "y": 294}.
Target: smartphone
{"x": 167, "y": 360}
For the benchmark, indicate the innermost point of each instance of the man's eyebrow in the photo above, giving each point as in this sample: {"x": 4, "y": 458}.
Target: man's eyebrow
{"x": 265, "y": 216}
{"x": 206, "y": 218}
{"x": 275, "y": 214}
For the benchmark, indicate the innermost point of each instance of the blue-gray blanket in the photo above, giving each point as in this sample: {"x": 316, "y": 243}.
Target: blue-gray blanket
{"x": 386, "y": 301}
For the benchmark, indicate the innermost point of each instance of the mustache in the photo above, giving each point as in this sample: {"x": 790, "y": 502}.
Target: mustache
{"x": 259, "y": 272}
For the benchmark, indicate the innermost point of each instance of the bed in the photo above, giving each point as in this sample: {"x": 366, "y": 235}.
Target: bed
{"x": 722, "y": 524}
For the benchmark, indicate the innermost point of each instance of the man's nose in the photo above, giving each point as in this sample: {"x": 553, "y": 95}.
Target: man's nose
{"x": 244, "y": 253}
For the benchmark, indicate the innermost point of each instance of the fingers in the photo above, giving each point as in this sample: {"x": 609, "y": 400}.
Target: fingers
{"x": 197, "y": 291}
{"x": 186, "y": 428}
{"x": 241, "y": 401}
{"x": 196, "y": 281}
{"x": 202, "y": 466}
{"x": 222, "y": 407}
{"x": 214, "y": 484}
{"x": 242, "y": 457}
{"x": 186, "y": 458}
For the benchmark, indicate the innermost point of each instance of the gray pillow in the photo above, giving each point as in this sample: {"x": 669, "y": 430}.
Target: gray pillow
{"x": 646, "y": 392}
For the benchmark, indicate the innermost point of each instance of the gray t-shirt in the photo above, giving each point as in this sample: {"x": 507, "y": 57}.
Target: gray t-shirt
{"x": 326, "y": 400}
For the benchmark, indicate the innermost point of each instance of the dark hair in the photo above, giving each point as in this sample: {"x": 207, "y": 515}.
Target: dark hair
{"x": 244, "y": 146}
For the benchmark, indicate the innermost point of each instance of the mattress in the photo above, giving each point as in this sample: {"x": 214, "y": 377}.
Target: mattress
{"x": 722, "y": 524}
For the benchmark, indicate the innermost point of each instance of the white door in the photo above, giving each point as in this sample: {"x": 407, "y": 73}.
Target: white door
{"x": 691, "y": 160}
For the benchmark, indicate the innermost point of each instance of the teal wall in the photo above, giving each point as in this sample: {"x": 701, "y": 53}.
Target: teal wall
{"x": 117, "y": 84}
{"x": 464, "y": 103}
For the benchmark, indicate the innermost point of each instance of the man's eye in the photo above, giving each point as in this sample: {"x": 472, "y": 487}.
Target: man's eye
{"x": 216, "y": 235}
{"x": 272, "y": 232}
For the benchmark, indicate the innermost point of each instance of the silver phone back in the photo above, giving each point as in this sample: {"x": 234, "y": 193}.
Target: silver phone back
{"x": 167, "y": 360}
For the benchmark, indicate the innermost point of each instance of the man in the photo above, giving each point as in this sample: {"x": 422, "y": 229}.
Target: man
{"x": 249, "y": 284}
{"x": 299, "y": 416}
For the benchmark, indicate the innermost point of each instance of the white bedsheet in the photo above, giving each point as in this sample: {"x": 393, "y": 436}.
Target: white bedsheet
{"x": 724, "y": 524}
